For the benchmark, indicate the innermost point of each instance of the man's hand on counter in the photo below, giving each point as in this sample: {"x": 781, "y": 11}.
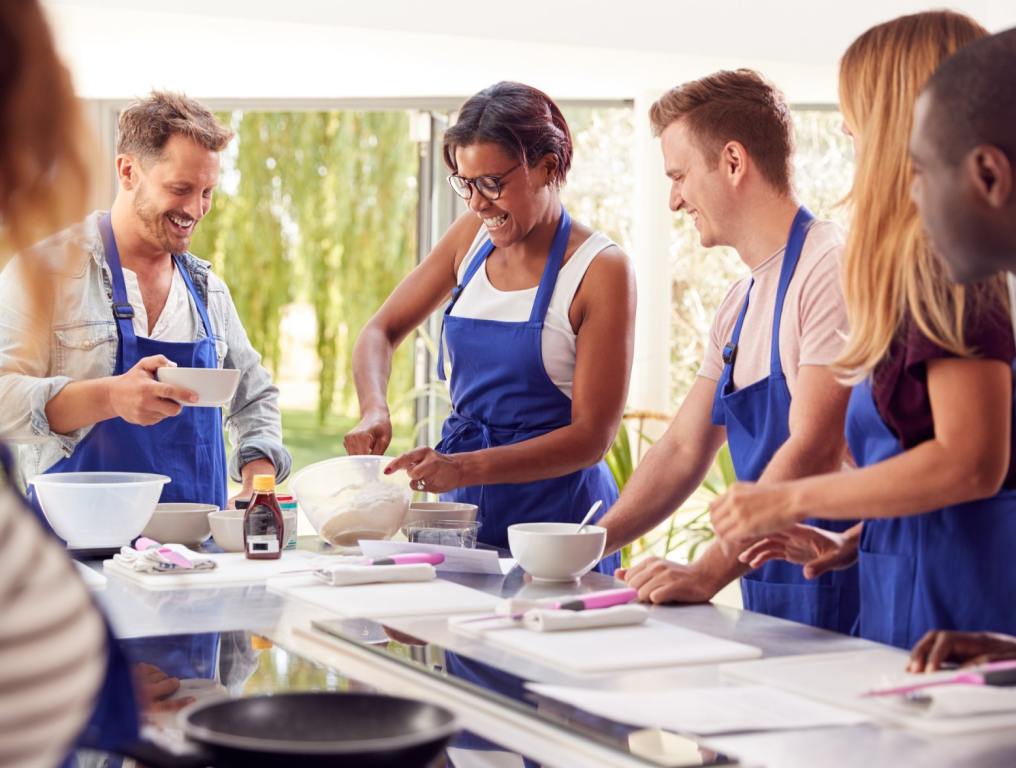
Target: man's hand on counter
{"x": 664, "y": 581}
{"x": 939, "y": 647}
{"x": 139, "y": 398}
{"x": 247, "y": 472}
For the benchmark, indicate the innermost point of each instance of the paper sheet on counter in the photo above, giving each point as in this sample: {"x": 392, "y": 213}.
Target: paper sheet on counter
{"x": 381, "y": 601}
{"x": 705, "y": 711}
{"x": 457, "y": 559}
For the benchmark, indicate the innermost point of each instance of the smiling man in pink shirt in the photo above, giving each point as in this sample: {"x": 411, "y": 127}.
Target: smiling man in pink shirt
{"x": 728, "y": 147}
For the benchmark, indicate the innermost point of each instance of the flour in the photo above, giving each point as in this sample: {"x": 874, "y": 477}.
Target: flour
{"x": 373, "y": 510}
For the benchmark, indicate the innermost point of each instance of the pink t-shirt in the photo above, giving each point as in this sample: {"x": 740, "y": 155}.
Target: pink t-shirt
{"x": 814, "y": 321}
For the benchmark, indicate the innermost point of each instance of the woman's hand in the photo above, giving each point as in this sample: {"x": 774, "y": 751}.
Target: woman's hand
{"x": 747, "y": 511}
{"x": 371, "y": 436}
{"x": 430, "y": 471}
{"x": 816, "y": 549}
{"x": 965, "y": 648}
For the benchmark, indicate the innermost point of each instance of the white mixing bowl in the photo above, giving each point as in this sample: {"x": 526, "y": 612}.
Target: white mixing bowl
{"x": 179, "y": 523}
{"x": 350, "y": 498}
{"x": 554, "y": 551}
{"x": 98, "y": 509}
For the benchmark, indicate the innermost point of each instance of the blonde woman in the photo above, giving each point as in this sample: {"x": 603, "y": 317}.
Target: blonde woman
{"x": 930, "y": 416}
{"x": 61, "y": 676}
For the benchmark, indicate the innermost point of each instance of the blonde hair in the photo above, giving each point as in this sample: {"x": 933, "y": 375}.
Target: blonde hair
{"x": 44, "y": 148}
{"x": 889, "y": 270}
{"x": 146, "y": 125}
{"x": 734, "y": 105}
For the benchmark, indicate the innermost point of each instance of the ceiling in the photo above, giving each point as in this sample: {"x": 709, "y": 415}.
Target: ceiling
{"x": 452, "y": 43}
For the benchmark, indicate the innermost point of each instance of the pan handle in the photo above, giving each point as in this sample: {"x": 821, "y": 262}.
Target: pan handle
{"x": 152, "y": 755}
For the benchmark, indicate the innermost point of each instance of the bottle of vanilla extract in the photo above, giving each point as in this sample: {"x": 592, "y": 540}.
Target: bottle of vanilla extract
{"x": 263, "y": 528}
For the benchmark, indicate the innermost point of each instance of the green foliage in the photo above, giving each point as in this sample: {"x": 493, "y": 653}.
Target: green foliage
{"x": 324, "y": 209}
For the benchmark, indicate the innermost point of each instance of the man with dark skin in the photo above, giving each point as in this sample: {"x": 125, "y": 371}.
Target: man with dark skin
{"x": 963, "y": 148}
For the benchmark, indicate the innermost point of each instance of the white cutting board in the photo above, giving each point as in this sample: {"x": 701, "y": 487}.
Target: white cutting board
{"x": 379, "y": 601}
{"x": 612, "y": 649}
{"x": 232, "y": 569}
{"x": 840, "y": 678}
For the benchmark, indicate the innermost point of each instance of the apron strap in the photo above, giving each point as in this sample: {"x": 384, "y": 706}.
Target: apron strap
{"x": 792, "y": 254}
{"x": 202, "y": 309}
{"x": 474, "y": 266}
{"x": 548, "y": 281}
{"x": 123, "y": 312}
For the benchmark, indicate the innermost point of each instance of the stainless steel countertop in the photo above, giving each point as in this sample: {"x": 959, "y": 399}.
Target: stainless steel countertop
{"x": 136, "y": 612}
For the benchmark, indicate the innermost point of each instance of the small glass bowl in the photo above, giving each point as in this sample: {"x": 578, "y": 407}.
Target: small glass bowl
{"x": 447, "y": 533}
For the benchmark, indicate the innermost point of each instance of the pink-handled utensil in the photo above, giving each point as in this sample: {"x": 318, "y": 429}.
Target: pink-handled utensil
{"x": 998, "y": 673}
{"x": 514, "y": 609}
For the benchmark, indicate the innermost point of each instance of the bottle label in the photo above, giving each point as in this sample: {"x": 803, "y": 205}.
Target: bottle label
{"x": 258, "y": 545}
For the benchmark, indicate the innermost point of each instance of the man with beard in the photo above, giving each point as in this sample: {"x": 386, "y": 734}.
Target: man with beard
{"x": 125, "y": 299}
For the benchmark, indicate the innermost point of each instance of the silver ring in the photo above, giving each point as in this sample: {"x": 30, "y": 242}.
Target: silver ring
{"x": 421, "y": 484}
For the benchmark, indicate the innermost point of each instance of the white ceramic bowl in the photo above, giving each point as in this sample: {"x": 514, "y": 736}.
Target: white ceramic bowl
{"x": 554, "y": 551}
{"x": 179, "y": 523}
{"x": 433, "y": 511}
{"x": 98, "y": 509}
{"x": 350, "y": 498}
{"x": 227, "y": 528}
{"x": 215, "y": 386}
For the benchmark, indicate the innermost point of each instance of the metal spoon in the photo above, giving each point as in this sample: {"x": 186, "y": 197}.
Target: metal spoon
{"x": 589, "y": 515}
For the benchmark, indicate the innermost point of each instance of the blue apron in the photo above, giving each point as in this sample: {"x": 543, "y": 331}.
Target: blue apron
{"x": 189, "y": 447}
{"x": 501, "y": 394}
{"x": 114, "y": 719}
{"x": 945, "y": 569}
{"x": 756, "y": 418}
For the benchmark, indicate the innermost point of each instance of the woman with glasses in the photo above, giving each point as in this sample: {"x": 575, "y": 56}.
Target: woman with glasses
{"x": 538, "y": 329}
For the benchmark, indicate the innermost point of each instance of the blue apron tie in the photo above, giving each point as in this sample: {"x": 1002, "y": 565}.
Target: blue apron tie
{"x": 501, "y": 394}
{"x": 757, "y": 421}
{"x": 946, "y": 569}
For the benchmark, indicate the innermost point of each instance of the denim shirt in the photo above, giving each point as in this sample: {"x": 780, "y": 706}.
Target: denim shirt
{"x": 77, "y": 339}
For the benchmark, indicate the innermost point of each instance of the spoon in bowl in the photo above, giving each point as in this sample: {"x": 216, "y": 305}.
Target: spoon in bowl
{"x": 589, "y": 515}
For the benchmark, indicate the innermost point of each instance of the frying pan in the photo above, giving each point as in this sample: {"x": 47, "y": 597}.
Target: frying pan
{"x": 351, "y": 730}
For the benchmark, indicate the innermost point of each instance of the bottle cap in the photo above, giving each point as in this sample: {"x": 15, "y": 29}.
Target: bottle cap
{"x": 264, "y": 482}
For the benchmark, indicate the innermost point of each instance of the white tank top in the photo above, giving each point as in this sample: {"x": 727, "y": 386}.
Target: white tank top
{"x": 482, "y": 301}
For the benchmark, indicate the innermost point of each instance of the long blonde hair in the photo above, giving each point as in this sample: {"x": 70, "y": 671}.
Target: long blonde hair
{"x": 45, "y": 163}
{"x": 889, "y": 269}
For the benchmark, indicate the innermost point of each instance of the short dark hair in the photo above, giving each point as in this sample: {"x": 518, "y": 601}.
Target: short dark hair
{"x": 147, "y": 124}
{"x": 974, "y": 98}
{"x": 738, "y": 105}
{"x": 522, "y": 120}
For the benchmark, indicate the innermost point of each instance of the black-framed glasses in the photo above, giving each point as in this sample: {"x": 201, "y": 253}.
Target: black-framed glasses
{"x": 489, "y": 186}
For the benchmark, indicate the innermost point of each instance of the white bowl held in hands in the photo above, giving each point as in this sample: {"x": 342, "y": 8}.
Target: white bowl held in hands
{"x": 554, "y": 551}
{"x": 351, "y": 498}
{"x": 227, "y": 528}
{"x": 214, "y": 386}
{"x": 98, "y": 509}
{"x": 179, "y": 523}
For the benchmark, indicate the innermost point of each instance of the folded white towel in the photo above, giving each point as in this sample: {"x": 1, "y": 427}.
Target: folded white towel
{"x": 345, "y": 575}
{"x": 543, "y": 620}
{"x": 965, "y": 700}
{"x": 165, "y": 558}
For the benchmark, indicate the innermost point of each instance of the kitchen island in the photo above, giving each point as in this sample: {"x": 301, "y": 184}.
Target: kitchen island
{"x": 485, "y": 684}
